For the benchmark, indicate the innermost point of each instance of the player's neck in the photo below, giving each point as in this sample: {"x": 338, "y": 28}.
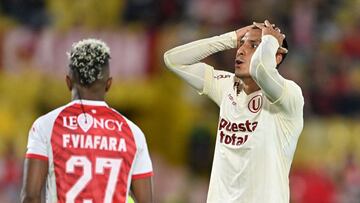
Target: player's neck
{"x": 76, "y": 95}
{"x": 249, "y": 86}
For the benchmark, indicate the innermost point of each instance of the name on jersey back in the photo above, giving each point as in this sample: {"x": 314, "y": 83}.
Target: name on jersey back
{"x": 80, "y": 139}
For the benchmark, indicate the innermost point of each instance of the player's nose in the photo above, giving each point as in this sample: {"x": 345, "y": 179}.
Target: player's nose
{"x": 240, "y": 51}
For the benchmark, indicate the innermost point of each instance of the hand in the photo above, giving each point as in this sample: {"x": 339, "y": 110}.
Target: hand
{"x": 241, "y": 32}
{"x": 270, "y": 29}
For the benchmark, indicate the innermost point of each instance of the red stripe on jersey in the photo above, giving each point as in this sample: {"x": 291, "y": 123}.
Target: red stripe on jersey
{"x": 37, "y": 156}
{"x": 93, "y": 153}
{"x": 142, "y": 175}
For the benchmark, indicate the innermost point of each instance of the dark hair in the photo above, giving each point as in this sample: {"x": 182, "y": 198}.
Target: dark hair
{"x": 88, "y": 58}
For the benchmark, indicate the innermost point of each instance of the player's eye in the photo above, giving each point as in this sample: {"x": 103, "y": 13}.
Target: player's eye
{"x": 254, "y": 45}
{"x": 241, "y": 42}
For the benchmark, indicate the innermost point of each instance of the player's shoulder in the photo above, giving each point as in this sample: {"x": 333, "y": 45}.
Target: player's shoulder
{"x": 293, "y": 87}
{"x": 293, "y": 94}
{"x": 50, "y": 116}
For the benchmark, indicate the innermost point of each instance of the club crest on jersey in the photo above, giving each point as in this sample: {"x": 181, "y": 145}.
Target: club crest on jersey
{"x": 255, "y": 104}
{"x": 86, "y": 121}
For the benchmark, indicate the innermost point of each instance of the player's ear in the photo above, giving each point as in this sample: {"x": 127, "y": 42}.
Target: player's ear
{"x": 108, "y": 84}
{"x": 279, "y": 58}
{"x": 69, "y": 82}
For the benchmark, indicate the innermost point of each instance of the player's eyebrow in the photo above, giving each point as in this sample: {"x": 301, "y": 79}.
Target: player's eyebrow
{"x": 255, "y": 41}
{"x": 250, "y": 40}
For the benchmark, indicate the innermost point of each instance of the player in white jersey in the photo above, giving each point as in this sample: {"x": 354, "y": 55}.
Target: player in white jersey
{"x": 261, "y": 113}
{"x": 86, "y": 151}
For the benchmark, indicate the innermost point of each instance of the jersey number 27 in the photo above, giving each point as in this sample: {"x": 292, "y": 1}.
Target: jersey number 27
{"x": 100, "y": 165}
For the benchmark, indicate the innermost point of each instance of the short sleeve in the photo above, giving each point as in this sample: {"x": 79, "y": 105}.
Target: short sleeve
{"x": 215, "y": 83}
{"x": 37, "y": 142}
{"x": 142, "y": 164}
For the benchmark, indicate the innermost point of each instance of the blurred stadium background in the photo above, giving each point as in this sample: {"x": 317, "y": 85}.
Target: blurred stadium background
{"x": 324, "y": 58}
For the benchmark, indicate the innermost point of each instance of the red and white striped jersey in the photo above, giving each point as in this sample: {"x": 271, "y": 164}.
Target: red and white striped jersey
{"x": 93, "y": 152}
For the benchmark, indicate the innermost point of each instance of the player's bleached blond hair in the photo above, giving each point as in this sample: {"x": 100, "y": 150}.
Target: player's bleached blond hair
{"x": 88, "y": 58}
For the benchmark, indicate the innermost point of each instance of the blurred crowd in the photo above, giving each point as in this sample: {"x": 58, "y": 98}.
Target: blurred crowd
{"x": 324, "y": 59}
{"x": 323, "y": 36}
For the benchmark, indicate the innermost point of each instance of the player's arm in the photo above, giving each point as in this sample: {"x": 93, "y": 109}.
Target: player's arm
{"x": 263, "y": 64}
{"x": 35, "y": 172}
{"x": 143, "y": 190}
{"x": 36, "y": 165}
{"x": 142, "y": 172}
{"x": 263, "y": 67}
{"x": 185, "y": 60}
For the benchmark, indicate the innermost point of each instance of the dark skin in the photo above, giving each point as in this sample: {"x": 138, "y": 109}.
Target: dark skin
{"x": 36, "y": 171}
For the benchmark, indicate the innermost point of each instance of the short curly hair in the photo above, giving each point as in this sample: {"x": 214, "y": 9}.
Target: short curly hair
{"x": 88, "y": 58}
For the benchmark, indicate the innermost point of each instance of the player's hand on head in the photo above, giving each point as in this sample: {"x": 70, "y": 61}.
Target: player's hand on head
{"x": 270, "y": 29}
{"x": 241, "y": 32}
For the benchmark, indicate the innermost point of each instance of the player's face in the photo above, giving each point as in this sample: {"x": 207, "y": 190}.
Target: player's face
{"x": 246, "y": 49}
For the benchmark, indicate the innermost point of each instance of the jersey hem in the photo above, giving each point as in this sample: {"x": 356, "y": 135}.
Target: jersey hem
{"x": 37, "y": 156}
{"x": 142, "y": 175}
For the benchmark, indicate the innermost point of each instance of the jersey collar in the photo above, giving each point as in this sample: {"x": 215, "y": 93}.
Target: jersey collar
{"x": 89, "y": 102}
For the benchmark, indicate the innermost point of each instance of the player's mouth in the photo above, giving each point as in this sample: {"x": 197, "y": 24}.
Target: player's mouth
{"x": 238, "y": 62}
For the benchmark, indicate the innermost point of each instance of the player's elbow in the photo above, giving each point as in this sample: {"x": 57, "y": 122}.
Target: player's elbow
{"x": 170, "y": 61}
{"x": 167, "y": 59}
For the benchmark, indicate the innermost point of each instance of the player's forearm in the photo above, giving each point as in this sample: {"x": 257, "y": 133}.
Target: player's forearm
{"x": 196, "y": 51}
{"x": 184, "y": 60}
{"x": 143, "y": 190}
{"x": 25, "y": 198}
{"x": 263, "y": 68}
{"x": 34, "y": 177}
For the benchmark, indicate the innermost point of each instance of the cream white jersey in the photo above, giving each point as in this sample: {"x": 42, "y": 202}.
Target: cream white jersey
{"x": 257, "y": 133}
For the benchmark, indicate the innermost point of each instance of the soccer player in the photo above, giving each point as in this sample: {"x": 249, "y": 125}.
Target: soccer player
{"x": 86, "y": 151}
{"x": 261, "y": 113}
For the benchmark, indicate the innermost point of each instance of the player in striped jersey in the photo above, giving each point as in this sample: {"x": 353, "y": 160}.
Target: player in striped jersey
{"x": 261, "y": 113}
{"x": 86, "y": 151}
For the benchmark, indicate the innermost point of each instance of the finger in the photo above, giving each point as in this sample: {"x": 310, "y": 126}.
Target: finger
{"x": 242, "y": 31}
{"x": 250, "y": 27}
{"x": 283, "y": 50}
{"x": 259, "y": 25}
{"x": 277, "y": 29}
{"x": 272, "y": 25}
{"x": 267, "y": 23}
